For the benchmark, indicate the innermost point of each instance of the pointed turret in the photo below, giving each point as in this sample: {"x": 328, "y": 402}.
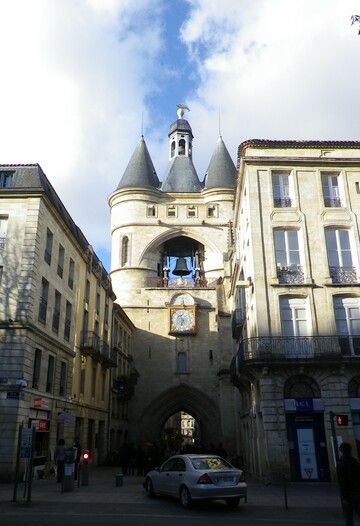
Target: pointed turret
{"x": 221, "y": 171}
{"x": 140, "y": 171}
{"x": 180, "y": 174}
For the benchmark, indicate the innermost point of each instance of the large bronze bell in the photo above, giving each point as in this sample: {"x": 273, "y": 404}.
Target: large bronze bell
{"x": 181, "y": 268}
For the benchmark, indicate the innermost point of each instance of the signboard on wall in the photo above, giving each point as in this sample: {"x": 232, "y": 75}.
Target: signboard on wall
{"x": 41, "y": 403}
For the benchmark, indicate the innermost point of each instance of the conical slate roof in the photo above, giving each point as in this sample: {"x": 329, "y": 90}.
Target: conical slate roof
{"x": 181, "y": 176}
{"x": 221, "y": 170}
{"x": 140, "y": 171}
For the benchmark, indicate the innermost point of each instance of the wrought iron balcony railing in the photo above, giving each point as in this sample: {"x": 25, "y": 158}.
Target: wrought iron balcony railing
{"x": 332, "y": 202}
{"x": 99, "y": 350}
{"x": 343, "y": 274}
{"x": 264, "y": 350}
{"x": 282, "y": 202}
{"x": 292, "y": 275}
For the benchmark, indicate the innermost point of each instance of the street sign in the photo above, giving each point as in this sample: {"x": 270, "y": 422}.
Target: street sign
{"x": 25, "y": 442}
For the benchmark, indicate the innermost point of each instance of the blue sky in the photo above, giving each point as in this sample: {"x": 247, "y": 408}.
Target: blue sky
{"x": 80, "y": 76}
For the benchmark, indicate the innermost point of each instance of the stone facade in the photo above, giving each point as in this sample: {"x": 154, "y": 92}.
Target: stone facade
{"x": 56, "y": 316}
{"x": 152, "y": 229}
{"x": 296, "y": 302}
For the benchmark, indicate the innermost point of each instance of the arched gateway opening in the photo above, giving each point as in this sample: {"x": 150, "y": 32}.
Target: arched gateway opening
{"x": 183, "y": 398}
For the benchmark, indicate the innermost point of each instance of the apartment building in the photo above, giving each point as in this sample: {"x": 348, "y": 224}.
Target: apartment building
{"x": 56, "y": 315}
{"x": 296, "y": 305}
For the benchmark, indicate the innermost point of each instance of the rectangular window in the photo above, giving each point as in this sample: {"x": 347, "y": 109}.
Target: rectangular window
{"x": 87, "y": 292}
{"x": 181, "y": 365}
{"x": 93, "y": 382}
{"x": 339, "y": 256}
{"x": 36, "y": 372}
{"x": 97, "y": 307}
{"x": 281, "y": 189}
{"x": 3, "y": 231}
{"x": 71, "y": 273}
{"x": 6, "y": 178}
{"x": 60, "y": 265}
{"x": 171, "y": 211}
{"x": 151, "y": 211}
{"x": 212, "y": 211}
{"x": 287, "y": 256}
{"x": 50, "y": 374}
{"x": 103, "y": 385}
{"x": 43, "y": 300}
{"x": 82, "y": 375}
{"x": 330, "y": 187}
{"x": 294, "y": 317}
{"x": 192, "y": 211}
{"x": 62, "y": 385}
{"x": 48, "y": 246}
{"x": 347, "y": 317}
{"x": 67, "y": 325}
{"x": 56, "y": 314}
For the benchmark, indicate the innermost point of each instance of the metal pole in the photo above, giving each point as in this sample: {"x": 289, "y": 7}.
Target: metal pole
{"x": 336, "y": 449}
{"x": 285, "y": 494}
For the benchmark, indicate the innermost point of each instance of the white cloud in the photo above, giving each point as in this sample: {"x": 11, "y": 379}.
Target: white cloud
{"x": 75, "y": 75}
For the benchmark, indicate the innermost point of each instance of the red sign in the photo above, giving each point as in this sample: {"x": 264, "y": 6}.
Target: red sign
{"x": 41, "y": 403}
{"x": 40, "y": 425}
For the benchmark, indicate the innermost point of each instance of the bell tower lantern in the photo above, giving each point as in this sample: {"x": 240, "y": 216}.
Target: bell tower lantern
{"x": 180, "y": 136}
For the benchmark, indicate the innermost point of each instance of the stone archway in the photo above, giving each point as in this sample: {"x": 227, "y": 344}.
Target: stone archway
{"x": 181, "y": 398}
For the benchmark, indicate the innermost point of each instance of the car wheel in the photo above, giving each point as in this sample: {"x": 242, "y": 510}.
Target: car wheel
{"x": 185, "y": 497}
{"x": 233, "y": 502}
{"x": 149, "y": 488}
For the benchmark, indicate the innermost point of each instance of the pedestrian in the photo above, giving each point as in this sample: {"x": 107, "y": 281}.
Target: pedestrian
{"x": 59, "y": 459}
{"x": 77, "y": 456}
{"x": 348, "y": 472}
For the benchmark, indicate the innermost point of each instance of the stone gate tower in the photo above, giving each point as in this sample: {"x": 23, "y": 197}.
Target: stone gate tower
{"x": 169, "y": 268}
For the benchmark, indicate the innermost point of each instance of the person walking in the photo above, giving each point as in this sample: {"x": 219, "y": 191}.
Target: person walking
{"x": 59, "y": 458}
{"x": 348, "y": 472}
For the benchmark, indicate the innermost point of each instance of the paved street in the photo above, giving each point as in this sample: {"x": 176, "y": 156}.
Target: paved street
{"x": 102, "y": 502}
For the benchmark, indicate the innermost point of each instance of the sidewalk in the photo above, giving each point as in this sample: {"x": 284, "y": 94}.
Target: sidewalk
{"x": 102, "y": 489}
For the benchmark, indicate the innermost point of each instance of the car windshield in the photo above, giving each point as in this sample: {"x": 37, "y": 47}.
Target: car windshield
{"x": 210, "y": 463}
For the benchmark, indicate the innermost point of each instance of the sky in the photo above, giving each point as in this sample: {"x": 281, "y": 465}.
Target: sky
{"x": 81, "y": 80}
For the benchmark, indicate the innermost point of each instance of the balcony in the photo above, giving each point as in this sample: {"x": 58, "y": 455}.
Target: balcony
{"x": 282, "y": 202}
{"x": 333, "y": 202}
{"x": 305, "y": 349}
{"x": 99, "y": 350}
{"x": 292, "y": 275}
{"x": 237, "y": 322}
{"x": 345, "y": 275}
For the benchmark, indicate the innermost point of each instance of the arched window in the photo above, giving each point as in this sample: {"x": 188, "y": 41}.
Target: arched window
{"x": 182, "y": 147}
{"x": 301, "y": 386}
{"x": 125, "y": 251}
{"x": 173, "y": 149}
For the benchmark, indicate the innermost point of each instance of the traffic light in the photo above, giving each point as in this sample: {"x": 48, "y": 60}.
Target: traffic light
{"x": 86, "y": 456}
{"x": 342, "y": 420}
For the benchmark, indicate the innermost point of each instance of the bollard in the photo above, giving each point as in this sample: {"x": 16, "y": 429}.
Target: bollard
{"x": 119, "y": 479}
{"x": 68, "y": 475}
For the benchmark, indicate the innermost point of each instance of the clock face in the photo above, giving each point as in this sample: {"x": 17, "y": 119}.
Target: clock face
{"x": 182, "y": 320}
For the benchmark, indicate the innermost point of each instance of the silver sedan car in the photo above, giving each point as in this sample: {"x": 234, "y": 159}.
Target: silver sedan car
{"x": 197, "y": 477}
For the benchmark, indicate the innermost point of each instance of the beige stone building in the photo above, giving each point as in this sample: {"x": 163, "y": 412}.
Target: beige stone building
{"x": 56, "y": 316}
{"x": 170, "y": 272}
{"x": 296, "y": 304}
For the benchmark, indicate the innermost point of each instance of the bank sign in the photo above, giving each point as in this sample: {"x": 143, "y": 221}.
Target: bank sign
{"x": 304, "y": 405}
